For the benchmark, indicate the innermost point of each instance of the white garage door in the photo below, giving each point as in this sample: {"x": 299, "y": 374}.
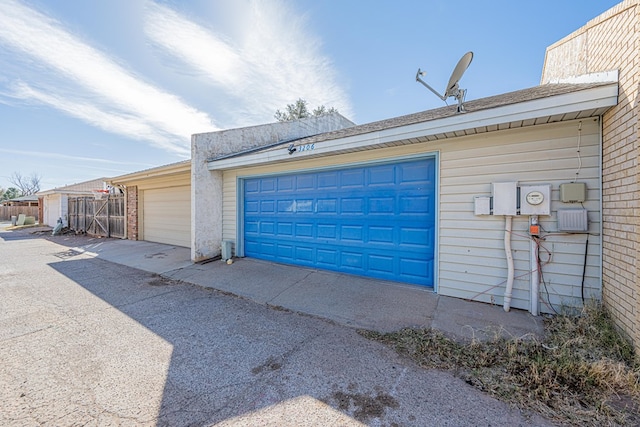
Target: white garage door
{"x": 167, "y": 215}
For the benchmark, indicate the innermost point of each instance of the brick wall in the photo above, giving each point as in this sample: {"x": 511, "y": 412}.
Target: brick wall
{"x": 611, "y": 42}
{"x": 40, "y": 210}
{"x": 132, "y": 212}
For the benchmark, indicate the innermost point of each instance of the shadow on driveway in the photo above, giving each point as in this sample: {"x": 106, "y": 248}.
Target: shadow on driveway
{"x": 155, "y": 351}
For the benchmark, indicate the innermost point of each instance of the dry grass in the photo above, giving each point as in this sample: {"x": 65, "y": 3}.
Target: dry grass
{"x": 10, "y": 227}
{"x": 583, "y": 372}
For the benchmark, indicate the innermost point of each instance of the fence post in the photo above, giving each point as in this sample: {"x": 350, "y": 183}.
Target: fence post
{"x": 108, "y": 219}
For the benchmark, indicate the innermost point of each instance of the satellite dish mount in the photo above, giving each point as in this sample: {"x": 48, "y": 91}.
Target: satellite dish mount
{"x": 452, "y": 90}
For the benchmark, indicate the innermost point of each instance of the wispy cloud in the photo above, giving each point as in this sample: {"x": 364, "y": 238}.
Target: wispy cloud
{"x": 196, "y": 46}
{"x": 132, "y": 126}
{"x": 58, "y": 156}
{"x": 93, "y": 86}
{"x": 275, "y": 62}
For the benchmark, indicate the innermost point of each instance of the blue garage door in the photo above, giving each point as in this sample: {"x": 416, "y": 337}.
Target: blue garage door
{"x": 376, "y": 221}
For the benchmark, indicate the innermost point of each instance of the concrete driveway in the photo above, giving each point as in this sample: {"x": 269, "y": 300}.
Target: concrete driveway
{"x": 349, "y": 300}
{"x": 84, "y": 341}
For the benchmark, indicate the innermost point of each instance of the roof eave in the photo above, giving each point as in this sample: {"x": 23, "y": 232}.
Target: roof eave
{"x": 62, "y": 191}
{"x": 167, "y": 170}
{"x": 587, "y": 103}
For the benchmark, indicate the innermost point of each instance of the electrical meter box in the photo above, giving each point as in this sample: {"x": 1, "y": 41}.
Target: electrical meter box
{"x": 505, "y": 195}
{"x": 535, "y": 199}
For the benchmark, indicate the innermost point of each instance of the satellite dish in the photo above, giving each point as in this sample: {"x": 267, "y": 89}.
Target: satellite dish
{"x": 452, "y": 89}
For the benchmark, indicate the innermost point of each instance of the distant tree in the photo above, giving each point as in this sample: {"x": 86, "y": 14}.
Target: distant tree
{"x": 322, "y": 110}
{"x": 299, "y": 110}
{"x": 25, "y": 185}
{"x": 10, "y": 193}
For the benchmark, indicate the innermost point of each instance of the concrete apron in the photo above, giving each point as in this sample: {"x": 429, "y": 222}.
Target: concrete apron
{"x": 348, "y": 300}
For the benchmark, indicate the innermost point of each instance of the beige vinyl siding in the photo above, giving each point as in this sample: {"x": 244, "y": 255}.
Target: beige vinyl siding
{"x": 472, "y": 262}
{"x": 229, "y": 212}
{"x": 167, "y": 215}
{"x": 470, "y": 254}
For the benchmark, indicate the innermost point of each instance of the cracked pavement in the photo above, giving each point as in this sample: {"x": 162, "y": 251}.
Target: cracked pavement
{"x": 87, "y": 342}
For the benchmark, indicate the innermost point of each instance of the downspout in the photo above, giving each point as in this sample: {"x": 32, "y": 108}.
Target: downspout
{"x": 125, "y": 193}
{"x": 510, "y": 270}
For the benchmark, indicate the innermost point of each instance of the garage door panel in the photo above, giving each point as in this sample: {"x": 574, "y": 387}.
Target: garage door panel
{"x": 382, "y": 175}
{"x": 305, "y": 182}
{"x": 375, "y": 221}
{"x": 252, "y": 187}
{"x": 414, "y": 267}
{"x": 252, "y": 207}
{"x": 352, "y": 179}
{"x": 285, "y": 183}
{"x": 415, "y": 173}
{"x": 381, "y": 263}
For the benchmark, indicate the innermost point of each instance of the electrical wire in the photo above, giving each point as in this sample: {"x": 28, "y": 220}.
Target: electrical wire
{"x": 579, "y": 156}
{"x": 540, "y": 264}
{"x": 584, "y": 267}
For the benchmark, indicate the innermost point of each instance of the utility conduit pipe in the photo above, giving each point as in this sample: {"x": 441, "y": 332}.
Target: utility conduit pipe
{"x": 535, "y": 271}
{"x": 507, "y": 250}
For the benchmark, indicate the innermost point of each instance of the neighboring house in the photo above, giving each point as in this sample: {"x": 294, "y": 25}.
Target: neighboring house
{"x": 611, "y": 41}
{"x": 158, "y": 203}
{"x": 31, "y": 200}
{"x": 55, "y": 202}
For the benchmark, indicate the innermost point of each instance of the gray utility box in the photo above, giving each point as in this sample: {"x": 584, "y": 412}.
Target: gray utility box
{"x": 573, "y": 220}
{"x": 505, "y": 195}
{"x": 226, "y": 250}
{"x": 573, "y": 192}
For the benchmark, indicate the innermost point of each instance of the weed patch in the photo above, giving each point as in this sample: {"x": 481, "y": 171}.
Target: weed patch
{"x": 583, "y": 372}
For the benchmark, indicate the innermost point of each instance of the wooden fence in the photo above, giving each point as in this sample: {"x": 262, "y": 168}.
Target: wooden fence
{"x": 98, "y": 217}
{"x": 6, "y": 212}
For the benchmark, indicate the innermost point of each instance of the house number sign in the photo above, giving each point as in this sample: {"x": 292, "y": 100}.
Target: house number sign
{"x": 307, "y": 147}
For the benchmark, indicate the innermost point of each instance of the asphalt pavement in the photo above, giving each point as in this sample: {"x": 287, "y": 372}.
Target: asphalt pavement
{"x": 88, "y": 341}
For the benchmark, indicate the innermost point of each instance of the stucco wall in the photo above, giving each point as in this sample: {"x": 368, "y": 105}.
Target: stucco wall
{"x": 608, "y": 42}
{"x": 206, "y": 188}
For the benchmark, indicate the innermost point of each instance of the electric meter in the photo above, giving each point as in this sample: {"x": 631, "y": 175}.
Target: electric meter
{"x": 535, "y": 198}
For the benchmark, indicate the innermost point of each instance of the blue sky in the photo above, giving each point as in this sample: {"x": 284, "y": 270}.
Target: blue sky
{"x": 107, "y": 87}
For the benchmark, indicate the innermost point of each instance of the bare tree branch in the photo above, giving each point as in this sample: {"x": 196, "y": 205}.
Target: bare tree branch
{"x": 26, "y": 185}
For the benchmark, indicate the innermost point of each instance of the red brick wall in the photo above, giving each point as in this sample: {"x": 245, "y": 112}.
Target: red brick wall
{"x": 611, "y": 41}
{"x": 40, "y": 210}
{"x": 132, "y": 213}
